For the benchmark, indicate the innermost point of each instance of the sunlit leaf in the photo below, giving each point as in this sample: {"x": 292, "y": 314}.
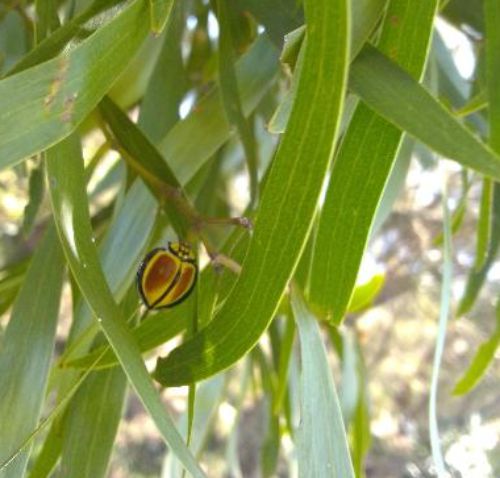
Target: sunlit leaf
{"x": 51, "y": 99}
{"x": 363, "y": 164}
{"x": 292, "y": 190}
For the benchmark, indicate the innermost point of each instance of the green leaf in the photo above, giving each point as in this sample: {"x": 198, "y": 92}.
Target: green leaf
{"x": 360, "y": 431}
{"x": 66, "y": 177}
{"x": 292, "y": 190}
{"x": 458, "y": 215}
{"x": 11, "y": 278}
{"x": 279, "y": 17}
{"x": 120, "y": 251}
{"x": 476, "y": 278}
{"x": 364, "y": 294}
{"x": 394, "y": 185}
{"x": 362, "y": 168}
{"x": 484, "y": 224}
{"x": 168, "y": 83}
{"x": 492, "y": 227}
{"x": 476, "y": 103}
{"x": 194, "y": 140}
{"x": 47, "y": 19}
{"x": 49, "y": 455}
{"x": 27, "y": 351}
{"x": 92, "y": 17}
{"x": 145, "y": 159}
{"x": 286, "y": 350}
{"x": 160, "y": 12}
{"x": 36, "y": 191}
{"x": 209, "y": 395}
{"x": 55, "y": 413}
{"x": 322, "y": 444}
{"x": 13, "y": 39}
{"x": 128, "y": 90}
{"x": 394, "y": 95}
{"x": 231, "y": 96}
{"x": 151, "y": 333}
{"x": 51, "y": 99}
{"x": 91, "y": 423}
{"x": 483, "y": 358}
{"x": 444, "y": 313}
{"x": 365, "y": 15}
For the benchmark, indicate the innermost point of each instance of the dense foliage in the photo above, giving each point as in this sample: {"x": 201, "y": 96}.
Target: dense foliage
{"x": 273, "y": 137}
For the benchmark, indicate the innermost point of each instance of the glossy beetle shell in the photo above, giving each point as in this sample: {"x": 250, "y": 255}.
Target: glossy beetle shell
{"x": 167, "y": 276}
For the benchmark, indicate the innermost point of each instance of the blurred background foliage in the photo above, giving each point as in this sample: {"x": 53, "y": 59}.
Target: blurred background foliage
{"x": 128, "y": 124}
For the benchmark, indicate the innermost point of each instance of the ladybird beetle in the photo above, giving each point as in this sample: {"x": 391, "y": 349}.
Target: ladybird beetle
{"x": 167, "y": 276}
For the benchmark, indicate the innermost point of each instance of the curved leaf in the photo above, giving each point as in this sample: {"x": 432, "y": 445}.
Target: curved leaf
{"x": 362, "y": 169}
{"x": 69, "y": 201}
{"x": 287, "y": 208}
{"x": 482, "y": 359}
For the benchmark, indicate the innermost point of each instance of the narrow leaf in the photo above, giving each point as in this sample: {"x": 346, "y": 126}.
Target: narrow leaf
{"x": 292, "y": 191}
{"x": 393, "y": 94}
{"x": 231, "y": 96}
{"x": 362, "y": 168}
{"x": 322, "y": 444}
{"x": 168, "y": 82}
{"x": 160, "y": 12}
{"x": 492, "y": 20}
{"x": 49, "y": 455}
{"x": 444, "y": 313}
{"x": 27, "y": 350}
{"x": 482, "y": 360}
{"x": 365, "y": 15}
{"x": 143, "y": 158}
{"x": 484, "y": 224}
{"x": 36, "y": 189}
{"x": 476, "y": 278}
{"x": 91, "y": 424}
{"x": 150, "y": 334}
{"x": 66, "y": 177}
{"x": 475, "y": 104}
{"x": 364, "y": 294}
{"x": 47, "y": 19}
{"x": 95, "y": 15}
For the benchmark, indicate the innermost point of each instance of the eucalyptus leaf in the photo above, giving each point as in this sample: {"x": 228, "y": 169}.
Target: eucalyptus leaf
{"x": 66, "y": 177}
{"x": 362, "y": 168}
{"x": 51, "y": 99}
{"x": 322, "y": 443}
{"x": 292, "y": 190}
{"x": 27, "y": 349}
{"x": 393, "y": 94}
